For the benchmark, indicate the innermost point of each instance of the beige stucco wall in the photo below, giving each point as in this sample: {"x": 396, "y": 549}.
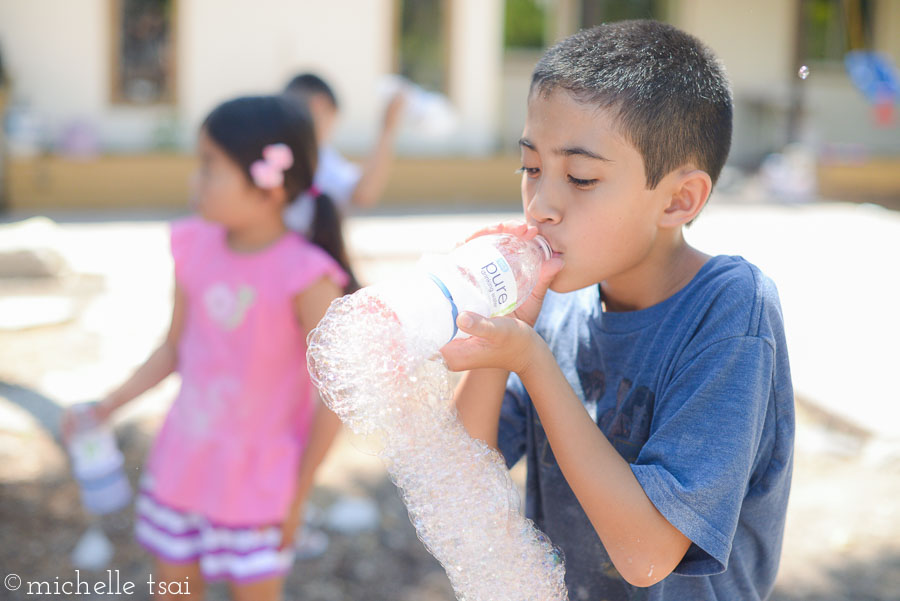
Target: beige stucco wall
{"x": 58, "y": 53}
{"x": 756, "y": 42}
{"x": 57, "y": 56}
{"x": 233, "y": 47}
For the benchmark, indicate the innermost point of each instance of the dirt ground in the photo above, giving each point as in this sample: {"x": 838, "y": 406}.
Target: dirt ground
{"x": 842, "y": 540}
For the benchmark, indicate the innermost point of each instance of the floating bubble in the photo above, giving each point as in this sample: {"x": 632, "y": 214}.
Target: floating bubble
{"x": 803, "y": 73}
{"x": 380, "y": 380}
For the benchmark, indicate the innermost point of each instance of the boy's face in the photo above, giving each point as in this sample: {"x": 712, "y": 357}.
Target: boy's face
{"x": 323, "y": 113}
{"x": 324, "y": 116}
{"x": 584, "y": 187}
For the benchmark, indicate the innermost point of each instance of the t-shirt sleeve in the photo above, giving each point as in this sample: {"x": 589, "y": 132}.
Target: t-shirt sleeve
{"x": 696, "y": 465}
{"x": 312, "y": 264}
{"x": 184, "y": 237}
{"x": 512, "y": 427}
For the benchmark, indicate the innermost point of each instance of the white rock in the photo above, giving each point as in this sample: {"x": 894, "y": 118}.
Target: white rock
{"x": 23, "y": 312}
{"x": 352, "y": 515}
{"x": 93, "y": 551}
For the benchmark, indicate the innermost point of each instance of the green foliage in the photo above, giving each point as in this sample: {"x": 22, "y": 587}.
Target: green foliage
{"x": 524, "y": 24}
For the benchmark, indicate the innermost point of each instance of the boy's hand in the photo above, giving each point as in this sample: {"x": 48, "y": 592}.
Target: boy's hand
{"x": 502, "y": 342}
{"x": 529, "y": 310}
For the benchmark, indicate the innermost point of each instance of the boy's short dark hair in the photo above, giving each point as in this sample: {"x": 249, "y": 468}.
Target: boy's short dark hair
{"x": 307, "y": 84}
{"x": 667, "y": 90}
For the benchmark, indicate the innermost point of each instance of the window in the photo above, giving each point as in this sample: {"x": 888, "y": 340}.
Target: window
{"x": 143, "y": 53}
{"x": 830, "y": 28}
{"x": 422, "y": 42}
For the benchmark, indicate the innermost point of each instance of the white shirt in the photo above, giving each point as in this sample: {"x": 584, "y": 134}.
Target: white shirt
{"x": 335, "y": 176}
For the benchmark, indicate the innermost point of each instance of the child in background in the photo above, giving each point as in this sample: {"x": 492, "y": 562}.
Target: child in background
{"x": 231, "y": 468}
{"x": 343, "y": 181}
{"x": 650, "y": 390}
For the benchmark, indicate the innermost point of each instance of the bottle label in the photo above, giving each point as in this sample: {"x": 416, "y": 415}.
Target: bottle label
{"x": 493, "y": 275}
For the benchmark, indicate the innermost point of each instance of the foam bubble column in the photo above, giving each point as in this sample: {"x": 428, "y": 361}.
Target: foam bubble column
{"x": 460, "y": 497}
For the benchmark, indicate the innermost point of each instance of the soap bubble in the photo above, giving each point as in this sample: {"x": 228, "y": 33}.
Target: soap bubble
{"x": 803, "y": 73}
{"x": 379, "y": 379}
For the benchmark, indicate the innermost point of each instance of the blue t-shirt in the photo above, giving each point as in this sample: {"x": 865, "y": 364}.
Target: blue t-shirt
{"x": 695, "y": 393}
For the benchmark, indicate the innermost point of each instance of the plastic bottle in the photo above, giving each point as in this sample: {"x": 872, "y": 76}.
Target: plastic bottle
{"x": 97, "y": 464}
{"x": 489, "y": 275}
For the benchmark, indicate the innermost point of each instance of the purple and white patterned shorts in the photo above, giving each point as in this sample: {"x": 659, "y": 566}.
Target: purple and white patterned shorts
{"x": 224, "y": 553}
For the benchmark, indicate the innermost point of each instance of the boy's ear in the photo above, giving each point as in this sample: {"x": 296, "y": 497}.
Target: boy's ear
{"x": 689, "y": 192}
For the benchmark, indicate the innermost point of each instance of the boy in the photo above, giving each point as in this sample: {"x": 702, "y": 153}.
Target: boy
{"x": 345, "y": 183}
{"x": 652, "y": 398}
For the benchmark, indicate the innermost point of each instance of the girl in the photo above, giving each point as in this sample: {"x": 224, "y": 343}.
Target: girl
{"x": 229, "y": 472}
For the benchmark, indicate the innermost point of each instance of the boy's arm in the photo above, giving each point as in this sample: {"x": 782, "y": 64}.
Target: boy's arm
{"x": 479, "y": 397}
{"x": 375, "y": 173}
{"x": 641, "y": 543}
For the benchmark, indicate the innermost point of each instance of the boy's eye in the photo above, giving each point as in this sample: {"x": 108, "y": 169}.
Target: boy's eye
{"x": 531, "y": 171}
{"x": 581, "y": 183}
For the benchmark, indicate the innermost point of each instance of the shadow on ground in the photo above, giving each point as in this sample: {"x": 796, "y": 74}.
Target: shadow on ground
{"x": 41, "y": 521}
{"x": 873, "y": 579}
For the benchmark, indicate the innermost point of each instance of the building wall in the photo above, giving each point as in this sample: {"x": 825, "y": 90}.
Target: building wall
{"x": 476, "y": 66}
{"x": 234, "y": 47}
{"x": 753, "y": 39}
{"x": 58, "y": 53}
{"x": 756, "y": 42}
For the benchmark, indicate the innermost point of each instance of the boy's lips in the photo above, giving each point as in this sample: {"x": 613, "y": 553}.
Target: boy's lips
{"x": 554, "y": 252}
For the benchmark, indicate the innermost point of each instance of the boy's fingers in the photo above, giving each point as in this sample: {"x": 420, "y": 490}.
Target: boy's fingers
{"x": 506, "y": 227}
{"x": 548, "y": 271}
{"x": 475, "y": 325}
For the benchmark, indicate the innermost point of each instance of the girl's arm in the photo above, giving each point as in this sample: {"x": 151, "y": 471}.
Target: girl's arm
{"x": 309, "y": 307}
{"x": 155, "y": 369}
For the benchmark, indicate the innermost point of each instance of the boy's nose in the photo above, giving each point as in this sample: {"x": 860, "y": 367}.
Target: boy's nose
{"x": 541, "y": 208}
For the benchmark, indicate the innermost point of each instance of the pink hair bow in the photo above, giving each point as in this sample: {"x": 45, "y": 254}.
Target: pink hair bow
{"x": 268, "y": 172}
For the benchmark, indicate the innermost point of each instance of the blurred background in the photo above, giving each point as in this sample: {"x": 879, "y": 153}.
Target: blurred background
{"x": 100, "y": 103}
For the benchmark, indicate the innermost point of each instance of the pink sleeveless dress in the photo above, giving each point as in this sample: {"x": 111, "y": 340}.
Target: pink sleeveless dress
{"x": 230, "y": 446}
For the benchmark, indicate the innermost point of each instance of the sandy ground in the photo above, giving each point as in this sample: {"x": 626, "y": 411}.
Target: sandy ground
{"x": 832, "y": 266}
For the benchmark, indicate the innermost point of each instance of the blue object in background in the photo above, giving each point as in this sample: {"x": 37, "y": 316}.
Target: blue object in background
{"x": 873, "y": 74}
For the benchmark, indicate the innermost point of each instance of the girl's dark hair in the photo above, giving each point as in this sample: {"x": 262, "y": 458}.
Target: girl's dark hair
{"x": 244, "y": 126}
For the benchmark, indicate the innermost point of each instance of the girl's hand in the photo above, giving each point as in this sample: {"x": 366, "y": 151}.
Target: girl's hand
{"x": 98, "y": 411}
{"x": 292, "y": 522}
